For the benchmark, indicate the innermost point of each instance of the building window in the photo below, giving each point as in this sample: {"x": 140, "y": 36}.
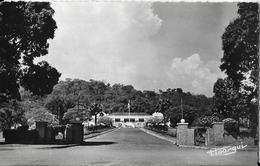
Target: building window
{"x": 117, "y": 119}
{"x": 132, "y": 120}
{"x": 141, "y": 119}
{"x": 126, "y": 120}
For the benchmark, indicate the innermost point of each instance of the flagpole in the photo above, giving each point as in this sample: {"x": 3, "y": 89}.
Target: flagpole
{"x": 129, "y": 110}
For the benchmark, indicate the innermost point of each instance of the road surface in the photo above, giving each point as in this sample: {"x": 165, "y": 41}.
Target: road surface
{"x": 124, "y": 146}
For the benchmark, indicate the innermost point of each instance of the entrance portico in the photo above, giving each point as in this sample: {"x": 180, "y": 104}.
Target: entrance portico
{"x": 125, "y": 119}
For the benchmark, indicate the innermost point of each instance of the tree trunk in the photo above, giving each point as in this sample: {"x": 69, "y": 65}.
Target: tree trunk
{"x": 95, "y": 119}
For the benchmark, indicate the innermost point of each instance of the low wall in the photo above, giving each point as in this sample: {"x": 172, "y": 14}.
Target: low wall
{"x": 21, "y": 135}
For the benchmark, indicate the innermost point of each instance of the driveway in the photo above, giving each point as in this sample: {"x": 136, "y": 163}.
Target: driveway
{"x": 124, "y": 146}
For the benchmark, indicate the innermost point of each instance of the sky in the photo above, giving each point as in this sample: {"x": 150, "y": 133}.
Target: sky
{"x": 150, "y": 45}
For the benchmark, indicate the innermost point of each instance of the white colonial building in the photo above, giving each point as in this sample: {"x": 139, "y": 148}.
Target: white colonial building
{"x": 133, "y": 119}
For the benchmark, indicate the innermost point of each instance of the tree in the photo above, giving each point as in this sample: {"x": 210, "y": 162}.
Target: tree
{"x": 11, "y": 114}
{"x": 9, "y": 72}
{"x": 163, "y": 107}
{"x": 229, "y": 102}
{"x": 94, "y": 110}
{"x": 77, "y": 113}
{"x": 241, "y": 46}
{"x": 190, "y": 114}
{"x": 58, "y": 105}
{"x": 240, "y": 43}
{"x": 24, "y": 32}
{"x": 42, "y": 114}
{"x": 40, "y": 79}
{"x": 105, "y": 120}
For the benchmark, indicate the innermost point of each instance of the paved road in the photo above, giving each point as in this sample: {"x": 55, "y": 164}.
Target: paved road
{"x": 120, "y": 147}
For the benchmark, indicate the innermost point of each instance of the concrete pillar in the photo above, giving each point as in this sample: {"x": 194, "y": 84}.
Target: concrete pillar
{"x": 218, "y": 129}
{"x": 215, "y": 135}
{"x": 185, "y": 136}
{"x": 77, "y": 133}
{"x": 41, "y": 127}
{"x": 50, "y": 135}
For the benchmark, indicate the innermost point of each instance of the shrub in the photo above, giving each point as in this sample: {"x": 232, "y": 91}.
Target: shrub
{"x": 206, "y": 121}
{"x": 231, "y": 126}
{"x": 107, "y": 121}
{"x": 199, "y": 135}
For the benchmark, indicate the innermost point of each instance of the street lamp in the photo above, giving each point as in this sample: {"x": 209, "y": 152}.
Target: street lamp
{"x": 179, "y": 91}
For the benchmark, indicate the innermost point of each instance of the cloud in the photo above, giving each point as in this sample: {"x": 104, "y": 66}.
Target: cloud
{"x": 194, "y": 75}
{"x": 128, "y": 43}
{"x": 104, "y": 41}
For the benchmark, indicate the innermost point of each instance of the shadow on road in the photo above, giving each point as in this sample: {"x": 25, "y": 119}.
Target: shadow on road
{"x": 88, "y": 143}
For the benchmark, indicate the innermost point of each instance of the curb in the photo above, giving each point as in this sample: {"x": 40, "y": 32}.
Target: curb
{"x": 209, "y": 148}
{"x": 194, "y": 147}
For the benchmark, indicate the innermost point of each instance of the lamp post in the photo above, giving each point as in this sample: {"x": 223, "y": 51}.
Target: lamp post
{"x": 181, "y": 109}
{"x": 179, "y": 91}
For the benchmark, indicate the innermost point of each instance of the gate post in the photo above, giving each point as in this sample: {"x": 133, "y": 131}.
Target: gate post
{"x": 215, "y": 135}
{"x": 185, "y": 136}
{"x": 218, "y": 129}
{"x": 77, "y": 133}
{"x": 41, "y": 127}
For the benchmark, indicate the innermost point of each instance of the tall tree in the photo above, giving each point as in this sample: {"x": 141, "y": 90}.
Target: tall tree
{"x": 24, "y": 32}
{"x": 241, "y": 45}
{"x": 40, "y": 79}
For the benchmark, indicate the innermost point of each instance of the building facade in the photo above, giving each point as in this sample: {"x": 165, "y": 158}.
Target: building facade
{"x": 124, "y": 119}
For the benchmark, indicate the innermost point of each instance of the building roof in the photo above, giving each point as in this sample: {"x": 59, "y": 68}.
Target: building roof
{"x": 131, "y": 114}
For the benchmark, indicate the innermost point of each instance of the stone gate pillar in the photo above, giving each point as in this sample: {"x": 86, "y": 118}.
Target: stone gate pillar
{"x": 41, "y": 127}
{"x": 185, "y": 136}
{"x": 218, "y": 129}
{"x": 215, "y": 135}
{"x": 77, "y": 133}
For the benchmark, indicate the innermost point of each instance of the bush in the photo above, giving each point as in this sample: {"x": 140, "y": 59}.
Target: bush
{"x": 98, "y": 127}
{"x": 206, "y": 121}
{"x": 231, "y": 126}
{"x": 160, "y": 127}
{"x": 107, "y": 121}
